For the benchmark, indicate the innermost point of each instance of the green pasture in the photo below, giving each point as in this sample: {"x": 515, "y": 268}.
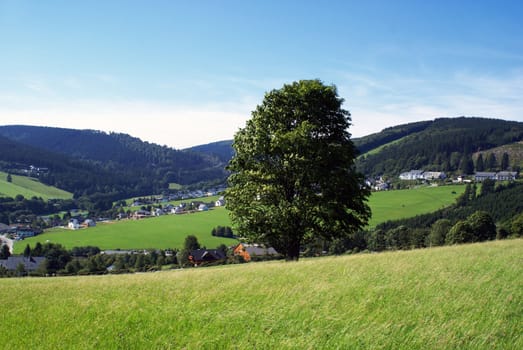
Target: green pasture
{"x": 168, "y": 231}
{"x": 29, "y": 187}
{"x": 457, "y": 297}
{"x": 391, "y": 205}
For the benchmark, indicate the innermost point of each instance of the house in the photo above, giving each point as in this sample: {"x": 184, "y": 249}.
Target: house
{"x": 201, "y": 256}
{"x": 177, "y": 210}
{"x": 382, "y": 186}
{"x": 141, "y": 214}
{"x": 203, "y": 207}
{"x": 30, "y": 264}
{"x": 158, "y": 212}
{"x": 434, "y": 175}
{"x": 412, "y": 175}
{"x": 89, "y": 223}
{"x": 482, "y": 176}
{"x": 506, "y": 176}
{"x": 73, "y": 224}
{"x": 220, "y": 202}
{"x": 249, "y": 251}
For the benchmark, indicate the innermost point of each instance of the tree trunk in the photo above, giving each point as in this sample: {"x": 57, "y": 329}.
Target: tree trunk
{"x": 293, "y": 251}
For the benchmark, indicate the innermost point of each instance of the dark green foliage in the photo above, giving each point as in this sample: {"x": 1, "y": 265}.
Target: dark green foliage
{"x": 9, "y": 178}
{"x": 293, "y": 177}
{"x": 4, "y": 252}
{"x": 491, "y": 162}
{"x": 191, "y": 243}
{"x": 505, "y": 163}
{"x": 517, "y": 226}
{"x": 466, "y": 166}
{"x": 480, "y": 166}
{"x": 27, "y": 251}
{"x": 487, "y": 186}
{"x": 461, "y": 232}
{"x": 483, "y": 226}
{"x": 221, "y": 231}
{"x": 439, "y": 145}
{"x": 376, "y": 240}
{"x": 85, "y": 251}
{"x": 438, "y": 232}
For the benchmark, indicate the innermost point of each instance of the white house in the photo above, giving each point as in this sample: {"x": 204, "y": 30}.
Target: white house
{"x": 73, "y": 224}
{"x": 434, "y": 175}
{"x": 203, "y": 207}
{"x": 481, "y": 176}
{"x": 220, "y": 202}
{"x": 412, "y": 175}
{"x": 506, "y": 175}
{"x": 177, "y": 210}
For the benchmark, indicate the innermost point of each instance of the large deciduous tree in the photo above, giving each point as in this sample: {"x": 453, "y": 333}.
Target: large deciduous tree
{"x": 292, "y": 176}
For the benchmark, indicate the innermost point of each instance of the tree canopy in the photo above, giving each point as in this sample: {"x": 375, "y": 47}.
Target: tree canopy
{"x": 293, "y": 177}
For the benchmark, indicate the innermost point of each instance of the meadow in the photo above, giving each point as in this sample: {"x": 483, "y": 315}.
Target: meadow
{"x": 392, "y": 205}
{"x": 29, "y": 187}
{"x": 454, "y": 297}
{"x": 168, "y": 231}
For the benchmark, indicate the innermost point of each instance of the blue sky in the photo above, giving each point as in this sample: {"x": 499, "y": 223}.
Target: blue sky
{"x": 187, "y": 73}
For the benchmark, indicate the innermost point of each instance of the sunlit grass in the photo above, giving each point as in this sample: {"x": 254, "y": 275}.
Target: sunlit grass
{"x": 29, "y": 187}
{"x": 459, "y": 297}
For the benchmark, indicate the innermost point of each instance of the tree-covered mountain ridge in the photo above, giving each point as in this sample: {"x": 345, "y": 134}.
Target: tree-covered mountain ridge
{"x": 443, "y": 144}
{"x": 87, "y": 162}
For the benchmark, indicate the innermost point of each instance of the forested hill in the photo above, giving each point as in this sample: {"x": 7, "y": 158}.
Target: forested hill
{"x": 222, "y": 150}
{"x": 445, "y": 144}
{"x": 128, "y": 164}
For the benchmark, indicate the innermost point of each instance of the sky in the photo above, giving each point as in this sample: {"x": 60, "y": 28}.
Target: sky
{"x": 184, "y": 73}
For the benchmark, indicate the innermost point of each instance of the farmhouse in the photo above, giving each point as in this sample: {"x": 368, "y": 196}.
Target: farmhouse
{"x": 434, "y": 175}
{"x": 250, "y": 251}
{"x": 500, "y": 176}
{"x": 200, "y": 256}
{"x": 506, "y": 176}
{"x": 412, "y": 175}
{"x": 423, "y": 175}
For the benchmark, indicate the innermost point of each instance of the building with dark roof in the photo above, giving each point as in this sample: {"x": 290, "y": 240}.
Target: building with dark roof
{"x": 30, "y": 264}
{"x": 200, "y": 256}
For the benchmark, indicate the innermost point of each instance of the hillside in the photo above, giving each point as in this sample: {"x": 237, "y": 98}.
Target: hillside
{"x": 445, "y": 144}
{"x": 222, "y": 150}
{"x": 29, "y": 187}
{"x": 115, "y": 162}
{"x": 441, "y": 144}
{"x": 458, "y": 297}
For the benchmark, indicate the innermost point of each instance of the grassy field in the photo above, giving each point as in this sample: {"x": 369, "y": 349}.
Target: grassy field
{"x": 391, "y": 205}
{"x": 167, "y": 231}
{"x": 29, "y": 187}
{"x": 459, "y": 297}
{"x": 170, "y": 231}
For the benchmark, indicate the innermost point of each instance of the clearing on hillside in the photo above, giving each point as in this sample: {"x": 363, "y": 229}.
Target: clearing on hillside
{"x": 29, "y": 187}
